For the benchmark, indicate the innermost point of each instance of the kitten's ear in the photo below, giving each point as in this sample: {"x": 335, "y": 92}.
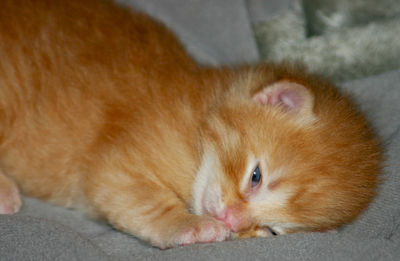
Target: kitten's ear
{"x": 291, "y": 96}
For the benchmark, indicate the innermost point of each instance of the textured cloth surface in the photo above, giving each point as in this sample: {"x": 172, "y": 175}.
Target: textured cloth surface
{"x": 45, "y": 232}
{"x": 323, "y": 16}
{"x": 349, "y": 50}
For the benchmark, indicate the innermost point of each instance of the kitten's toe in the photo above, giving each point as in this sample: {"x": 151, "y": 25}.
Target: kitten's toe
{"x": 10, "y": 200}
{"x": 205, "y": 230}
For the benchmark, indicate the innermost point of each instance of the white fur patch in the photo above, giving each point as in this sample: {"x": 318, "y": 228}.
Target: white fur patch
{"x": 206, "y": 189}
{"x": 207, "y": 192}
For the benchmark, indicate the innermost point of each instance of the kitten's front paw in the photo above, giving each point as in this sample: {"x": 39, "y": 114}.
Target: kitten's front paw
{"x": 202, "y": 230}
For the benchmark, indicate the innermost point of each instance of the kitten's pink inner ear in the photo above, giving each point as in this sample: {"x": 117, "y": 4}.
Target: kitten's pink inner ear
{"x": 291, "y": 96}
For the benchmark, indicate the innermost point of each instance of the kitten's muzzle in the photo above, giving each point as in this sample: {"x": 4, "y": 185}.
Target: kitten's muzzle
{"x": 234, "y": 218}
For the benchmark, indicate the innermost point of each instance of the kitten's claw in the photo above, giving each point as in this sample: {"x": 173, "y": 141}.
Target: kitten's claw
{"x": 205, "y": 230}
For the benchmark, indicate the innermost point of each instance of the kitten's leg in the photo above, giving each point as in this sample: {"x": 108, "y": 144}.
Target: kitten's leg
{"x": 10, "y": 201}
{"x": 154, "y": 213}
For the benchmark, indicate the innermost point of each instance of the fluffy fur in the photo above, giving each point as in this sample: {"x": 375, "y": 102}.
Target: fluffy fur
{"x": 101, "y": 109}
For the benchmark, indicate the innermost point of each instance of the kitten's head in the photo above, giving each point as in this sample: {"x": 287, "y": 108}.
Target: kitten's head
{"x": 285, "y": 153}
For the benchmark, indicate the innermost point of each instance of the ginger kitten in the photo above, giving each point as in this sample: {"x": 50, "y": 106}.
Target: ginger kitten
{"x": 101, "y": 109}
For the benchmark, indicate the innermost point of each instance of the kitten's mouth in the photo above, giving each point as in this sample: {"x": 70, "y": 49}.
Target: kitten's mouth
{"x": 273, "y": 232}
{"x": 256, "y": 231}
{"x": 265, "y": 231}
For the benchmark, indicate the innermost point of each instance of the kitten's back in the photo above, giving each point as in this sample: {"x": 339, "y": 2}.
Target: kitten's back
{"x": 68, "y": 81}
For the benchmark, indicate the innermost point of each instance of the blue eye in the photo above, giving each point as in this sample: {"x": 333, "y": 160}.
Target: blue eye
{"x": 256, "y": 177}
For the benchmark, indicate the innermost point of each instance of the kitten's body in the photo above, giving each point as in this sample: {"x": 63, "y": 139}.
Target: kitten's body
{"x": 102, "y": 109}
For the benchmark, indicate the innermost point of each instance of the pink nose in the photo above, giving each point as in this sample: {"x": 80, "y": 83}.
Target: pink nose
{"x": 233, "y": 219}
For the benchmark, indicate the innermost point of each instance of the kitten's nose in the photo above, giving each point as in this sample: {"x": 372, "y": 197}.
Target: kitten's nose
{"x": 234, "y": 219}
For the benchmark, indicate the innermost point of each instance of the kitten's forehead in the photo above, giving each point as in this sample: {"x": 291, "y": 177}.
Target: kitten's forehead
{"x": 224, "y": 137}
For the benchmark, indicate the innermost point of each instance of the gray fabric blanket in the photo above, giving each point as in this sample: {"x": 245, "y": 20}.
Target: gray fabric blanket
{"x": 220, "y": 32}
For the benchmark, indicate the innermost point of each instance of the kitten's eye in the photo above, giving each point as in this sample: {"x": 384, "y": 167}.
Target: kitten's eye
{"x": 256, "y": 177}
